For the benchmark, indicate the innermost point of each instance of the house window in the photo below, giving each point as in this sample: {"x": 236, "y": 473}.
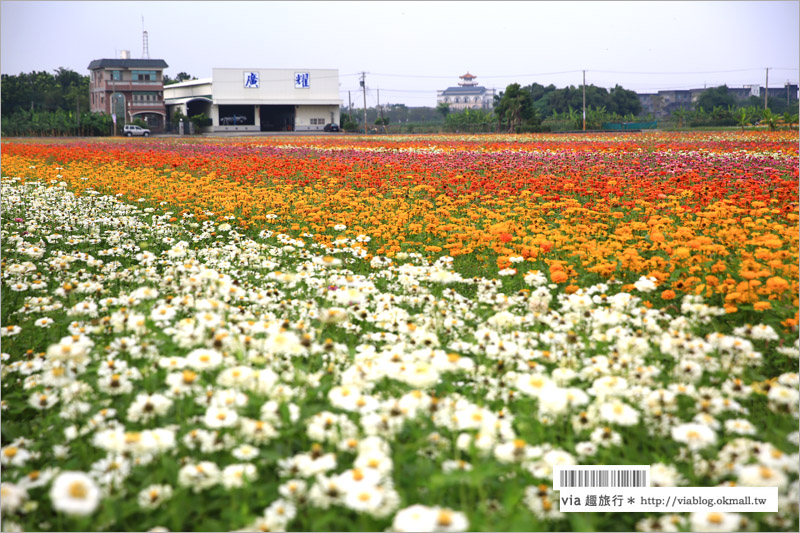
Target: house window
{"x": 145, "y": 96}
{"x": 143, "y": 75}
{"x": 115, "y": 75}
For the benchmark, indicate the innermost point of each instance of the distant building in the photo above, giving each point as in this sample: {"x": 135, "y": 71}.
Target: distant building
{"x": 129, "y": 89}
{"x": 260, "y": 99}
{"x": 468, "y": 95}
{"x": 664, "y": 103}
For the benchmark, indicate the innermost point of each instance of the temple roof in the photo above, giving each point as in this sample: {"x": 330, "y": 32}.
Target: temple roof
{"x": 464, "y": 91}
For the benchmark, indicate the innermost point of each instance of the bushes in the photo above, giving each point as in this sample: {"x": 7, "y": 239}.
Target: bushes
{"x": 59, "y": 123}
{"x": 200, "y": 121}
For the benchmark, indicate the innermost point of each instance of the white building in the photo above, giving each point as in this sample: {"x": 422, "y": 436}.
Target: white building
{"x": 259, "y": 99}
{"x": 468, "y": 95}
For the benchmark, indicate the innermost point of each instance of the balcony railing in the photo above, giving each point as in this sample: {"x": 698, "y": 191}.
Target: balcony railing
{"x": 128, "y": 85}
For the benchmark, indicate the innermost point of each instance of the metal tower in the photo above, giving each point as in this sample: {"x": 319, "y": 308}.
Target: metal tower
{"x": 145, "y": 44}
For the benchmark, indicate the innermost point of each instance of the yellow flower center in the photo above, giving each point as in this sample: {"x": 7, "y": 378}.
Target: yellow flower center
{"x": 78, "y": 490}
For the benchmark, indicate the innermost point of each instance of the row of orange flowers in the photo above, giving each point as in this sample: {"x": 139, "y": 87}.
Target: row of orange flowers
{"x": 710, "y": 214}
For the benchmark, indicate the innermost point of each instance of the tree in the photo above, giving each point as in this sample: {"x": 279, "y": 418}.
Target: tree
{"x": 443, "y": 108}
{"x": 680, "y": 115}
{"x": 770, "y": 119}
{"x": 743, "y": 118}
{"x": 182, "y": 76}
{"x": 790, "y": 119}
{"x": 623, "y": 102}
{"x": 716, "y": 97}
{"x": 515, "y": 106}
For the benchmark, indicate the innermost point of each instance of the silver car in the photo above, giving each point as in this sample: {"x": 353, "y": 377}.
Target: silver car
{"x": 131, "y": 129}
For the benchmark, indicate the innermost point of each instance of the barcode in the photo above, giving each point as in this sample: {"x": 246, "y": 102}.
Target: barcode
{"x": 603, "y": 478}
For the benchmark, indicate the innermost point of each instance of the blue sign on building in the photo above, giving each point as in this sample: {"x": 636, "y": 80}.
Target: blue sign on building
{"x": 251, "y": 80}
{"x": 301, "y": 80}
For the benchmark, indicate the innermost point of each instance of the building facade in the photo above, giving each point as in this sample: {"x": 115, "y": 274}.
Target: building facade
{"x": 129, "y": 89}
{"x": 260, "y": 99}
{"x": 664, "y": 103}
{"x": 468, "y": 95}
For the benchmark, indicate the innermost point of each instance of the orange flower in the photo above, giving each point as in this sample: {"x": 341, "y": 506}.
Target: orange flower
{"x": 777, "y": 284}
{"x": 762, "y": 306}
{"x": 668, "y": 294}
{"x": 559, "y": 276}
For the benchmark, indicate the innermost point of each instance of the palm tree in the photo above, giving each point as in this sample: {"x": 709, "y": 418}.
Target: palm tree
{"x": 680, "y": 115}
{"x": 743, "y": 118}
{"x": 770, "y": 119}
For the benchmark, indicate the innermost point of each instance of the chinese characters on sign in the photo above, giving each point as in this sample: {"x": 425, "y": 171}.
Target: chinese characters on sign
{"x": 301, "y": 80}
{"x": 251, "y": 80}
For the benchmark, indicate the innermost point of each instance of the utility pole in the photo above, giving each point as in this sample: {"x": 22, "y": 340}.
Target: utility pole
{"x": 349, "y": 105}
{"x": 380, "y": 111}
{"x": 584, "y": 100}
{"x": 766, "y": 90}
{"x": 364, "y": 90}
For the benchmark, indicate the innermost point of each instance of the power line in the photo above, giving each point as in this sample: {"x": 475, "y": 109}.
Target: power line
{"x": 648, "y": 73}
{"x": 674, "y": 73}
{"x": 483, "y": 77}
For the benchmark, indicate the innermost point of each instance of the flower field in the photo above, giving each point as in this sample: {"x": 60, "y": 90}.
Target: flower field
{"x": 369, "y": 333}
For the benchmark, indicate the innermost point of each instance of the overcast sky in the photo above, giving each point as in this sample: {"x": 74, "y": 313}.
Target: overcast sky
{"x": 411, "y": 49}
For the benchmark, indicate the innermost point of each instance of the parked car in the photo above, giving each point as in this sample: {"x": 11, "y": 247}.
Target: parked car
{"x": 131, "y": 130}
{"x": 331, "y": 127}
{"x": 235, "y": 120}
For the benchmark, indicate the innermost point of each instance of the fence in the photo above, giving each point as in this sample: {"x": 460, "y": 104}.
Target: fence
{"x": 629, "y": 126}
{"x": 174, "y": 127}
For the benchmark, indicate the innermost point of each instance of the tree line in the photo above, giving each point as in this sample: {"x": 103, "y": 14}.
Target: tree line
{"x": 57, "y": 104}
{"x": 44, "y": 104}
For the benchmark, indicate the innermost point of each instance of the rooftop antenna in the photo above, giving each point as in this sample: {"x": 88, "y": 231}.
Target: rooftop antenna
{"x": 145, "y": 44}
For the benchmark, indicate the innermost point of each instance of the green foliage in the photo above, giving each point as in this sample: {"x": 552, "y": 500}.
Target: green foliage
{"x": 623, "y": 102}
{"x": 178, "y": 115}
{"x": 563, "y": 107}
{"x": 718, "y": 116}
{"x": 743, "y": 118}
{"x": 40, "y": 103}
{"x": 770, "y": 119}
{"x": 469, "y": 120}
{"x": 60, "y": 123}
{"x": 182, "y": 76}
{"x": 348, "y": 122}
{"x": 715, "y": 97}
{"x": 42, "y": 91}
{"x": 200, "y": 121}
{"x": 444, "y": 109}
{"x": 515, "y": 108}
